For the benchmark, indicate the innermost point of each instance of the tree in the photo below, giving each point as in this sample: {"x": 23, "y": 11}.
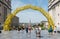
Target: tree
{"x": 41, "y": 25}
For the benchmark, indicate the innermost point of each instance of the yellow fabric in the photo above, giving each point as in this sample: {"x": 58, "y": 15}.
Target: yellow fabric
{"x": 46, "y": 14}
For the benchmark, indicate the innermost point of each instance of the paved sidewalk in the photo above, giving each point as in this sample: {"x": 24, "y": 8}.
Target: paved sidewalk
{"x": 23, "y": 35}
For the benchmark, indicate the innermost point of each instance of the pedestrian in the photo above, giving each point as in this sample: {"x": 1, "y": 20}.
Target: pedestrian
{"x": 50, "y": 30}
{"x": 19, "y": 28}
{"x": 29, "y": 28}
{"x": 26, "y": 29}
{"x": 23, "y": 26}
{"x": 38, "y": 31}
{"x": 55, "y": 29}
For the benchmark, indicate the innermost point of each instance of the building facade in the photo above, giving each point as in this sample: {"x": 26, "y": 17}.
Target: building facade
{"x": 5, "y": 9}
{"x": 15, "y": 21}
{"x": 54, "y": 10}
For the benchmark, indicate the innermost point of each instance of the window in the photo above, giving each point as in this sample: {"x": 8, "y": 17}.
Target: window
{"x": 58, "y": 23}
{"x": 52, "y": 1}
{"x": 0, "y": 14}
{"x": 58, "y": 5}
{"x": 0, "y": 23}
{"x": 0, "y": 5}
{"x": 49, "y": 0}
{"x": 58, "y": 14}
{"x": 8, "y": 2}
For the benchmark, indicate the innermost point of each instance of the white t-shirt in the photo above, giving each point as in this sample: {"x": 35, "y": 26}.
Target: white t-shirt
{"x": 55, "y": 29}
{"x": 40, "y": 28}
{"x": 37, "y": 30}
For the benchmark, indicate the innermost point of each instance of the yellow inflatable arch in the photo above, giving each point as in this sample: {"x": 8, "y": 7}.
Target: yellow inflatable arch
{"x": 7, "y": 23}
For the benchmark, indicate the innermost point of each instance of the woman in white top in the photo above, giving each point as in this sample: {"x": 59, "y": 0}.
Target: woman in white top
{"x": 55, "y": 29}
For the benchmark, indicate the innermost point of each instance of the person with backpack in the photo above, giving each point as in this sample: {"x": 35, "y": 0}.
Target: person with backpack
{"x": 50, "y": 30}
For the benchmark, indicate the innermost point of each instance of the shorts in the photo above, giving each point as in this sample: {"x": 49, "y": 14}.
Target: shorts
{"x": 54, "y": 31}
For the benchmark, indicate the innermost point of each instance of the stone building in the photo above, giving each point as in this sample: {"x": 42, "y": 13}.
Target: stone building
{"x": 54, "y": 10}
{"x": 5, "y": 9}
{"x": 15, "y": 21}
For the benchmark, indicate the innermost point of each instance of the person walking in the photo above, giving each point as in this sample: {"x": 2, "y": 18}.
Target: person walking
{"x": 26, "y": 29}
{"x": 50, "y": 30}
{"x": 19, "y": 28}
{"x": 29, "y": 29}
{"x": 38, "y": 31}
{"x": 55, "y": 29}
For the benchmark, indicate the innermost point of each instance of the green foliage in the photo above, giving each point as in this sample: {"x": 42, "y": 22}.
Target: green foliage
{"x": 41, "y": 25}
{"x": 43, "y": 28}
